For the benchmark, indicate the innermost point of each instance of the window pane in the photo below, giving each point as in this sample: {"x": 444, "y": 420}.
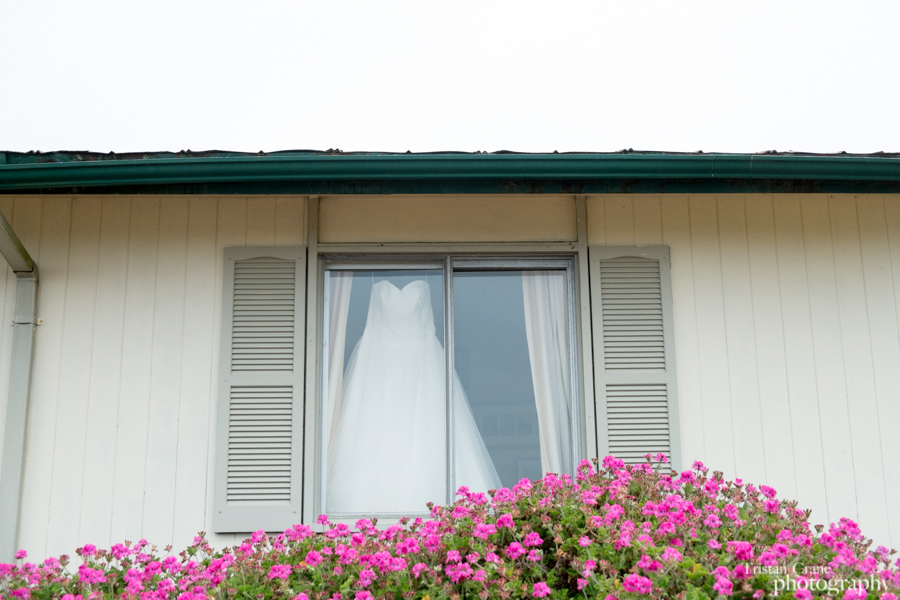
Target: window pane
{"x": 511, "y": 354}
{"x": 385, "y": 391}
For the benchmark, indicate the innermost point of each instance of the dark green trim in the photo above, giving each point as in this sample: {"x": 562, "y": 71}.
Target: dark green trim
{"x": 619, "y": 186}
{"x": 308, "y": 173}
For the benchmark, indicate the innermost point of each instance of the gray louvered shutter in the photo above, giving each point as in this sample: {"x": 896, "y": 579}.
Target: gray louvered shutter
{"x": 634, "y": 361}
{"x": 259, "y": 434}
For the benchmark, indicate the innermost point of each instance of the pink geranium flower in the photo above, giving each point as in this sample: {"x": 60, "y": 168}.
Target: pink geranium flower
{"x": 484, "y": 530}
{"x": 856, "y": 593}
{"x": 515, "y": 550}
{"x": 280, "y": 572}
{"x": 724, "y": 586}
{"x": 670, "y": 554}
{"x": 313, "y": 558}
{"x": 637, "y": 584}
{"x": 506, "y": 521}
{"x": 366, "y": 577}
{"x": 473, "y": 546}
{"x": 712, "y": 521}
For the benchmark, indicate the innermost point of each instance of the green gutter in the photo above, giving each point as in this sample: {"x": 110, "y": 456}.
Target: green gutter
{"x": 445, "y": 167}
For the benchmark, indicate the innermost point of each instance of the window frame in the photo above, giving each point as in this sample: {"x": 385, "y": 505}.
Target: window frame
{"x": 580, "y": 355}
{"x": 449, "y": 258}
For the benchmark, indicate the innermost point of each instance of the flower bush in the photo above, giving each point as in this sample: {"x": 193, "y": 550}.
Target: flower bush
{"x": 622, "y": 532}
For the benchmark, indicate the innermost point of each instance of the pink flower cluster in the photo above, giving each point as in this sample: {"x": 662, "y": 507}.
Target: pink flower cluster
{"x": 620, "y": 533}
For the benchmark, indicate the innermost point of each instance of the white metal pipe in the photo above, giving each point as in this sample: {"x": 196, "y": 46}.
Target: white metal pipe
{"x": 18, "y": 399}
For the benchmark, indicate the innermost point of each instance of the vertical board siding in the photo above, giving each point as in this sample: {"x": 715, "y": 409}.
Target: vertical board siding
{"x": 122, "y": 418}
{"x": 40, "y": 448}
{"x": 74, "y": 393}
{"x": 261, "y": 221}
{"x": 787, "y": 346}
{"x": 105, "y": 373}
{"x": 741, "y": 342}
{"x": 868, "y": 466}
{"x": 834, "y": 409}
{"x": 166, "y": 370}
{"x": 132, "y": 443}
{"x": 786, "y": 315}
{"x": 880, "y": 279}
{"x": 619, "y": 221}
{"x": 677, "y": 235}
{"x": 768, "y": 333}
{"x": 710, "y": 308}
{"x": 799, "y": 353}
{"x": 647, "y": 221}
{"x": 195, "y": 407}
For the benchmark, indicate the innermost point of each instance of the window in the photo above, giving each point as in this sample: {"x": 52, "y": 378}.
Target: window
{"x": 374, "y": 436}
{"x": 502, "y": 328}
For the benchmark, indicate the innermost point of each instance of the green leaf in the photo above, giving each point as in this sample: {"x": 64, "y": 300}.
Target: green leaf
{"x": 694, "y": 593}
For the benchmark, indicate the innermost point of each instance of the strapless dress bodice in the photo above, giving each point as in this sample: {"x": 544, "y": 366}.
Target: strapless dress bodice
{"x": 400, "y": 316}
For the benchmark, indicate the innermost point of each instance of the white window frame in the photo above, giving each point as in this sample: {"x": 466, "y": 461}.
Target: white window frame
{"x": 448, "y": 263}
{"x": 576, "y": 252}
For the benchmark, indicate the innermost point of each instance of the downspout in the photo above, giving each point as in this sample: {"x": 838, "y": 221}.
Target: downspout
{"x": 11, "y": 473}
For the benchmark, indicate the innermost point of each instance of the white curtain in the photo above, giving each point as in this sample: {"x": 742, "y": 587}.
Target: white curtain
{"x": 547, "y": 333}
{"x": 341, "y": 284}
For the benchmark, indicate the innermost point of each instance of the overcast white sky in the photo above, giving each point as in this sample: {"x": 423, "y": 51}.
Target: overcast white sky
{"x": 393, "y": 75}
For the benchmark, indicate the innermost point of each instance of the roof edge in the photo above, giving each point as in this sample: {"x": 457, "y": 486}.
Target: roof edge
{"x": 287, "y": 167}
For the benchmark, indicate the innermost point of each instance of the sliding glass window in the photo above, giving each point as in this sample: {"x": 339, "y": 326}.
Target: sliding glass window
{"x": 393, "y": 330}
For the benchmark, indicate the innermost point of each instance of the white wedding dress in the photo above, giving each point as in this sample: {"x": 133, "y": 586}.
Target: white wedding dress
{"x": 388, "y": 454}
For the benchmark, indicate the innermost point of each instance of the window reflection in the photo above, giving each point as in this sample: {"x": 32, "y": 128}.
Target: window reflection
{"x": 511, "y": 354}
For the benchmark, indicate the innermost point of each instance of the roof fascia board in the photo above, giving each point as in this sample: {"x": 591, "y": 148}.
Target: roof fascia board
{"x": 445, "y": 168}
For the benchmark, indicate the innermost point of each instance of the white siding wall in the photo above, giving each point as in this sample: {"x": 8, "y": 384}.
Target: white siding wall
{"x": 787, "y": 349}
{"x": 121, "y": 425}
{"x": 786, "y": 336}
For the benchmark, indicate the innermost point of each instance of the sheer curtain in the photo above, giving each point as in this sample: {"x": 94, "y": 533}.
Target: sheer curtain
{"x": 341, "y": 284}
{"x": 547, "y": 333}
